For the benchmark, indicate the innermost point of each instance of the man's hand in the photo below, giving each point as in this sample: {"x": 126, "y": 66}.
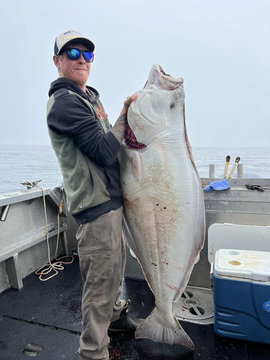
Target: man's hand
{"x": 119, "y": 127}
{"x": 127, "y": 104}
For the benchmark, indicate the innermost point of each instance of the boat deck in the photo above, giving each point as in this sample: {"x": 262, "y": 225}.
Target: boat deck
{"x": 43, "y": 320}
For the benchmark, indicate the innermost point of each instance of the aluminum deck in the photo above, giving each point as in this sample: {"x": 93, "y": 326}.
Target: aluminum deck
{"x": 43, "y": 320}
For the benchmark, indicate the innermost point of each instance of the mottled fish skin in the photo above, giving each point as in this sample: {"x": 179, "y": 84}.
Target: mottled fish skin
{"x": 163, "y": 201}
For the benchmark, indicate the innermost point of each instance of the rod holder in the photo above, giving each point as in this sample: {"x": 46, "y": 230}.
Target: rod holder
{"x": 212, "y": 171}
{"x": 240, "y": 171}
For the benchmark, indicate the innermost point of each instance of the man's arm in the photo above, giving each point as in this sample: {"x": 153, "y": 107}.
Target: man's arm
{"x": 69, "y": 117}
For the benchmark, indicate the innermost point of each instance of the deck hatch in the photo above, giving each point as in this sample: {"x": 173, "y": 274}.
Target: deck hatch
{"x": 195, "y": 305}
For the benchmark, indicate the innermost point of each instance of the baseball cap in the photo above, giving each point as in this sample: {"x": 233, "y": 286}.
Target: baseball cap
{"x": 69, "y": 37}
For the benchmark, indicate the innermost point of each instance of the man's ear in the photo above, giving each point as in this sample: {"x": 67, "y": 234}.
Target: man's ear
{"x": 56, "y": 60}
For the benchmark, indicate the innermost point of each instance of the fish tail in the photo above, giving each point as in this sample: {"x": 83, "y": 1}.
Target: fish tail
{"x": 159, "y": 329}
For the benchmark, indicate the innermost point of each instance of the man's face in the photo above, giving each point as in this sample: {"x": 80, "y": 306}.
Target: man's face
{"x": 76, "y": 70}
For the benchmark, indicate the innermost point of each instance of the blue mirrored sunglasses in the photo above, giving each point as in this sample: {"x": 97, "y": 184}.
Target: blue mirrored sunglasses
{"x": 74, "y": 54}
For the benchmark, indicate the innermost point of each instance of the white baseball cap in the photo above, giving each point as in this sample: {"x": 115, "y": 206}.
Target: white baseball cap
{"x": 69, "y": 37}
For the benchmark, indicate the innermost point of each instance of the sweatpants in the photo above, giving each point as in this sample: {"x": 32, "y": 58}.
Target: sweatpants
{"x": 102, "y": 257}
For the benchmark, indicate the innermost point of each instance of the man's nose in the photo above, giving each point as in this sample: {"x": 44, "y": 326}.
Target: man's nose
{"x": 81, "y": 59}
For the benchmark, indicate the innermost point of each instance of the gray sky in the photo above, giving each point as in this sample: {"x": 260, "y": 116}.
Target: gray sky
{"x": 220, "y": 48}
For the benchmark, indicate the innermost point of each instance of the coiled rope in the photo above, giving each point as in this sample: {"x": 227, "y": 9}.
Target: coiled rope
{"x": 58, "y": 264}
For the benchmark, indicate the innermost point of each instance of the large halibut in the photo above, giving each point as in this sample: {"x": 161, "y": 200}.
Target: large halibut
{"x": 163, "y": 200}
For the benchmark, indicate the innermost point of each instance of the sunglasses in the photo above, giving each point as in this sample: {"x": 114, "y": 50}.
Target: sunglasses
{"x": 74, "y": 54}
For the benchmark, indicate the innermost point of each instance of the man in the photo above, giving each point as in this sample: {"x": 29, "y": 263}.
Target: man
{"x": 86, "y": 147}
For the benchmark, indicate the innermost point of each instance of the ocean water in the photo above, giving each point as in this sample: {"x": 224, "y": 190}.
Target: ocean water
{"x": 38, "y": 162}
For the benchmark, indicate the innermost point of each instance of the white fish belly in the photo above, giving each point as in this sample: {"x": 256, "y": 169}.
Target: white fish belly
{"x": 162, "y": 210}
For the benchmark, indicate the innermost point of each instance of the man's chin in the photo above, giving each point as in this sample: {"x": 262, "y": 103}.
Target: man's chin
{"x": 80, "y": 82}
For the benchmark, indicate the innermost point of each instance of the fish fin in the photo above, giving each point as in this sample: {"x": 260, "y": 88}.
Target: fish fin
{"x": 136, "y": 166}
{"x": 129, "y": 240}
{"x": 158, "y": 329}
{"x": 198, "y": 240}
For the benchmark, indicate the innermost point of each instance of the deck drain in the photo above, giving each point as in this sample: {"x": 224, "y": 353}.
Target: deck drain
{"x": 195, "y": 305}
{"x": 32, "y": 350}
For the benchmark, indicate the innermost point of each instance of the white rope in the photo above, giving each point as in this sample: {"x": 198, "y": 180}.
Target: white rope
{"x": 58, "y": 265}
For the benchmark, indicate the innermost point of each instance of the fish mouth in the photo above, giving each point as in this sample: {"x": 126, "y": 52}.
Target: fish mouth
{"x": 131, "y": 141}
{"x": 163, "y": 81}
{"x": 163, "y": 72}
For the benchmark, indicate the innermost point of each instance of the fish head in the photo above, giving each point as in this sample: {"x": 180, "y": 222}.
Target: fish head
{"x": 155, "y": 109}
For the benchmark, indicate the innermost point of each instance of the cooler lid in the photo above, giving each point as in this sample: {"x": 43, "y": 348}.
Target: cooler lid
{"x": 234, "y": 236}
{"x": 243, "y": 264}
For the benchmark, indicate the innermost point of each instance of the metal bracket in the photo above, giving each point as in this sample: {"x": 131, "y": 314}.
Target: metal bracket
{"x": 13, "y": 271}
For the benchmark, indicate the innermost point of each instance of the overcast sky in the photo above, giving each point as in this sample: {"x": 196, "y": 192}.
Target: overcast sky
{"x": 220, "y": 48}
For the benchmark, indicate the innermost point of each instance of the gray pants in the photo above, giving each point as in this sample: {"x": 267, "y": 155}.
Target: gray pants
{"x": 102, "y": 258}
